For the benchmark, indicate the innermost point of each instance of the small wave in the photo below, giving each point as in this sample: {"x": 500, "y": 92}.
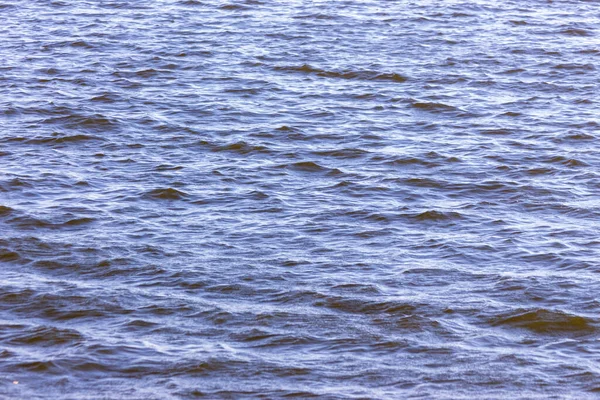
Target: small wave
{"x": 569, "y": 162}
{"x": 147, "y": 73}
{"x": 168, "y": 167}
{"x": 368, "y": 216}
{"x": 242, "y": 147}
{"x": 358, "y": 288}
{"x": 433, "y": 107}
{"x": 513, "y": 71}
{"x": 244, "y": 91}
{"x": 233, "y": 7}
{"x": 262, "y": 338}
{"x": 576, "y": 32}
{"x": 579, "y": 136}
{"x": 95, "y": 122}
{"x": 79, "y": 221}
{"x": 191, "y": 3}
{"x": 166, "y": 194}
{"x": 496, "y": 132}
{"x": 312, "y": 16}
{"x": 351, "y": 305}
{"x": 8, "y": 255}
{"x": 49, "y": 71}
{"x": 81, "y": 43}
{"x": 106, "y": 98}
{"x": 306, "y": 166}
{"x": 29, "y": 222}
{"x": 46, "y": 336}
{"x": 15, "y": 183}
{"x": 342, "y": 153}
{"x": 540, "y": 171}
{"x": 285, "y": 128}
{"x": 57, "y": 138}
{"x": 434, "y": 216}
{"x": 366, "y": 307}
{"x": 544, "y": 321}
{"x": 46, "y": 367}
{"x": 345, "y": 74}
{"x": 404, "y": 161}
{"x": 511, "y": 114}
{"x": 575, "y": 66}
{"x": 4, "y": 211}
{"x": 425, "y": 182}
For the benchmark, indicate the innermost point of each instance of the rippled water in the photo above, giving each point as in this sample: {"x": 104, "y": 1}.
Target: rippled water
{"x": 266, "y": 199}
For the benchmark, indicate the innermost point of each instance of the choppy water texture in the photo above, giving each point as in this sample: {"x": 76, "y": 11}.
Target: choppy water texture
{"x": 304, "y": 199}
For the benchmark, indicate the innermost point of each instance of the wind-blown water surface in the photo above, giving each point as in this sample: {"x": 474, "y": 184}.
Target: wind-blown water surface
{"x": 326, "y": 199}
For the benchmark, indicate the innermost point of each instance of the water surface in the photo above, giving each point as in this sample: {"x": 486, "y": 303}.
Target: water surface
{"x": 303, "y": 199}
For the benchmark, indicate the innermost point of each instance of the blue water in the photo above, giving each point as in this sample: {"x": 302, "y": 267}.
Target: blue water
{"x": 299, "y": 199}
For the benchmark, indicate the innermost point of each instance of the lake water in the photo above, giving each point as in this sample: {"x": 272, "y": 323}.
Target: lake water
{"x": 299, "y": 199}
